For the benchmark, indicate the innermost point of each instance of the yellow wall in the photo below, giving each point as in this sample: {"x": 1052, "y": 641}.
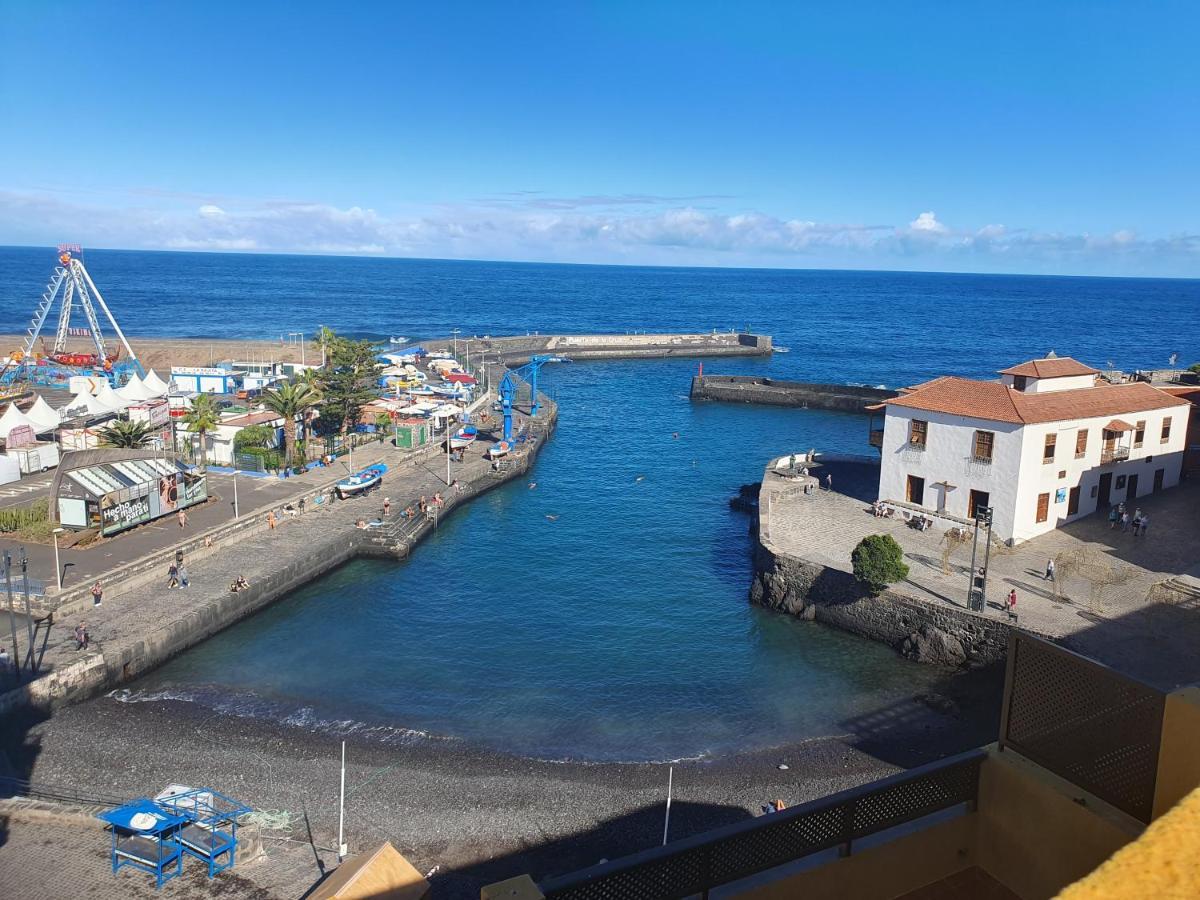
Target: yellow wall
{"x": 1033, "y": 836}
{"x": 882, "y": 872}
{"x": 1179, "y": 754}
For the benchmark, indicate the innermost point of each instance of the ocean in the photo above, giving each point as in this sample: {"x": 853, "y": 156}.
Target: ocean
{"x": 619, "y": 630}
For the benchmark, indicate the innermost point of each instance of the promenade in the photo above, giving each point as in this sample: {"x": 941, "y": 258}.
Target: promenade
{"x": 1125, "y": 601}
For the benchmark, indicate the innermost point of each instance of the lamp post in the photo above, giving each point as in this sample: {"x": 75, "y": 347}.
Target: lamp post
{"x": 235, "y": 496}
{"x": 57, "y": 567}
{"x": 455, "y": 331}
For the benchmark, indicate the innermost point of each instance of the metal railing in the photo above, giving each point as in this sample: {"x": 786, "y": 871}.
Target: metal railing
{"x": 1114, "y": 454}
{"x": 695, "y": 865}
{"x": 1089, "y": 724}
{"x": 31, "y": 790}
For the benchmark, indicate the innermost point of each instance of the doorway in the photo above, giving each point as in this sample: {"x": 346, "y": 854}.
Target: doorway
{"x": 1131, "y": 490}
{"x": 915, "y": 492}
{"x": 1158, "y": 479}
{"x": 976, "y": 500}
{"x": 1104, "y": 501}
{"x": 1073, "y": 501}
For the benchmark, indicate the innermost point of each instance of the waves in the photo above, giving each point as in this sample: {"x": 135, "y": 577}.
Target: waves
{"x": 250, "y": 705}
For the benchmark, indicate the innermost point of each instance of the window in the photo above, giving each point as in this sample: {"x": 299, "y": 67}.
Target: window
{"x": 917, "y": 432}
{"x": 1139, "y": 434}
{"x": 1081, "y": 443}
{"x": 1043, "y": 507}
{"x": 1166, "y": 431}
{"x": 984, "y": 441}
{"x": 1020, "y": 382}
{"x": 1048, "y": 450}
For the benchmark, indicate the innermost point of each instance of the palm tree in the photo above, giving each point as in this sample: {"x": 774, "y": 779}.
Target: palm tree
{"x": 123, "y": 433}
{"x": 290, "y": 400}
{"x": 202, "y": 418}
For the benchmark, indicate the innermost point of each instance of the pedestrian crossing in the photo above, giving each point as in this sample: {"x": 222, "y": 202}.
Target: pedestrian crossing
{"x": 16, "y": 489}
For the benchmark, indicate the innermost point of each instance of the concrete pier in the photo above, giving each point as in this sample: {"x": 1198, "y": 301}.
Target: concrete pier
{"x": 776, "y": 392}
{"x": 518, "y": 350}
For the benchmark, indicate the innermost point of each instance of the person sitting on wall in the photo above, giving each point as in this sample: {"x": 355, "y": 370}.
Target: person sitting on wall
{"x": 239, "y": 584}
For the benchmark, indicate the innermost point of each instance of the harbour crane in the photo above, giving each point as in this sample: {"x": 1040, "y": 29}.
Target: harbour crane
{"x": 510, "y": 383}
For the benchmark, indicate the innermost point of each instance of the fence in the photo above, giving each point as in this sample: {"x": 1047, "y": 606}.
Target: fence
{"x": 1083, "y": 721}
{"x": 695, "y": 865}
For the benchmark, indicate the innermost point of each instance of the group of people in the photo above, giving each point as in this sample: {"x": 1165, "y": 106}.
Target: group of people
{"x": 239, "y": 584}
{"x": 1139, "y": 521}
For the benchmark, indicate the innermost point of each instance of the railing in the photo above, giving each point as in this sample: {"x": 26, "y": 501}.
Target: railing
{"x": 1115, "y": 454}
{"x": 981, "y": 460}
{"x": 697, "y": 864}
{"x": 19, "y": 787}
{"x": 1093, "y": 726}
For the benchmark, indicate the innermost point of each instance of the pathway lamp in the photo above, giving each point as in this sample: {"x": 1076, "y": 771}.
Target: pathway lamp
{"x": 57, "y": 567}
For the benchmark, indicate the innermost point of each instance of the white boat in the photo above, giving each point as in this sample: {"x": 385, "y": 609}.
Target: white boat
{"x": 464, "y": 437}
{"x": 783, "y": 349}
{"x": 500, "y": 449}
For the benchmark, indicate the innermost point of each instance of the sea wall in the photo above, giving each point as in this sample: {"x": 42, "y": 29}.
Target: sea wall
{"x": 518, "y": 350}
{"x": 920, "y": 629}
{"x": 775, "y": 392}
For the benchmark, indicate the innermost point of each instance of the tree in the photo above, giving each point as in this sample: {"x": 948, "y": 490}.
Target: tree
{"x": 349, "y": 380}
{"x": 202, "y": 418}
{"x": 123, "y": 433}
{"x": 290, "y": 400}
{"x": 383, "y": 422}
{"x": 254, "y": 436}
{"x": 878, "y": 562}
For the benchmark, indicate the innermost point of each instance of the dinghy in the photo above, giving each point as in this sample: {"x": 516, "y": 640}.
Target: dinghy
{"x": 500, "y": 449}
{"x": 464, "y": 437}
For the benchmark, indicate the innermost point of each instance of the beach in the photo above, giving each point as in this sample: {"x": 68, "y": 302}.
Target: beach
{"x": 477, "y": 815}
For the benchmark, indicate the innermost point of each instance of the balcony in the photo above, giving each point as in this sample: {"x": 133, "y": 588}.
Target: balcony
{"x": 1110, "y": 455}
{"x": 875, "y": 439}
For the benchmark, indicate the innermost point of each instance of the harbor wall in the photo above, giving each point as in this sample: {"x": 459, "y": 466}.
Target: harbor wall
{"x": 776, "y": 392}
{"x": 919, "y": 629}
{"x": 518, "y": 350}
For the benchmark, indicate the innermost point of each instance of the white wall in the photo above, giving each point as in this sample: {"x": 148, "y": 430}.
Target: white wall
{"x": 948, "y": 456}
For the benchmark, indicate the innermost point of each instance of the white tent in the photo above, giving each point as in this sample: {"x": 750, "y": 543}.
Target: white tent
{"x": 446, "y": 412}
{"x": 14, "y": 418}
{"x": 155, "y": 384}
{"x": 86, "y": 405}
{"x": 44, "y": 417}
{"x": 111, "y": 398}
{"x": 134, "y": 391}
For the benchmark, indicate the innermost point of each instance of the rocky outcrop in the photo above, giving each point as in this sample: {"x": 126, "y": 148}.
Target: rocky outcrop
{"x": 938, "y": 634}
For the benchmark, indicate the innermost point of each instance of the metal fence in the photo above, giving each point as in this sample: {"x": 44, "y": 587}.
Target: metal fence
{"x": 1093, "y": 726}
{"x": 697, "y": 864}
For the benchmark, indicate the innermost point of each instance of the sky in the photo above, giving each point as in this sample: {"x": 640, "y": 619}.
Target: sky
{"x": 1059, "y": 138}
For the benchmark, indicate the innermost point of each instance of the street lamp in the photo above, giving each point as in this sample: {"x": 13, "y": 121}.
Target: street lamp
{"x": 57, "y": 567}
{"x": 455, "y": 331}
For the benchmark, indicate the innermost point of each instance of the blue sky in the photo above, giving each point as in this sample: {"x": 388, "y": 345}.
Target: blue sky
{"x": 1022, "y": 137}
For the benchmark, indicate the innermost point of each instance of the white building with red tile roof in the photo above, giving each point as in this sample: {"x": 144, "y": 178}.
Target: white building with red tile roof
{"x": 1046, "y": 444}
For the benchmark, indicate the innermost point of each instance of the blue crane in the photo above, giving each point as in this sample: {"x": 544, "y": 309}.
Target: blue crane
{"x": 509, "y": 384}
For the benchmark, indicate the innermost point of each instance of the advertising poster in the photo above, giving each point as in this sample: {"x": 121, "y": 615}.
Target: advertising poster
{"x": 118, "y": 514}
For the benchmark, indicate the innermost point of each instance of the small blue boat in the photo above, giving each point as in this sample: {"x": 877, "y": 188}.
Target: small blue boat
{"x": 464, "y": 437}
{"x": 360, "y": 482}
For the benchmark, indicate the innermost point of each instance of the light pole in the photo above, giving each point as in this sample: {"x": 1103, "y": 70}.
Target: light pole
{"x": 454, "y": 331}
{"x": 235, "y": 497}
{"x": 57, "y": 567}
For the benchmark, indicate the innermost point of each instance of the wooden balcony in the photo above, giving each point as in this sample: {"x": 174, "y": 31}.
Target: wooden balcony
{"x": 1110, "y": 455}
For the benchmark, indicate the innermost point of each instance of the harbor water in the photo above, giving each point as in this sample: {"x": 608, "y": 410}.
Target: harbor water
{"x": 601, "y": 614}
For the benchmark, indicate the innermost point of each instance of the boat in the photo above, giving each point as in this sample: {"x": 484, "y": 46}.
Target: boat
{"x": 360, "y": 482}
{"x": 442, "y": 390}
{"x": 464, "y": 437}
{"x": 501, "y": 449}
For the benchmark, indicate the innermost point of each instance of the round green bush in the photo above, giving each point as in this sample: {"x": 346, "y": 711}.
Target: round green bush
{"x": 878, "y": 562}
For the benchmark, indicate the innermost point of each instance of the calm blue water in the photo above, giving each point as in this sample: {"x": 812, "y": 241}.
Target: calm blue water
{"x": 621, "y": 630}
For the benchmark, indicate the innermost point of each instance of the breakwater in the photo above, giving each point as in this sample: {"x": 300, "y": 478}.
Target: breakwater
{"x": 517, "y": 350}
{"x": 776, "y": 392}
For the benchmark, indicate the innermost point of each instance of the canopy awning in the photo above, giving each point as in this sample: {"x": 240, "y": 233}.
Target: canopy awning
{"x": 1118, "y": 425}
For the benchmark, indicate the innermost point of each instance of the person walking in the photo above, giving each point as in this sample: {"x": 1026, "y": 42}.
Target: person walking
{"x": 1114, "y": 516}
{"x": 1012, "y": 603}
{"x": 1049, "y": 570}
{"x": 829, "y": 481}
{"x": 183, "y": 576}
{"x": 271, "y": 520}
{"x": 1145, "y": 523}
{"x": 1137, "y": 524}
{"x": 82, "y": 638}
{"x": 173, "y": 576}
{"x": 1125, "y": 521}
{"x": 97, "y": 594}
{"x": 387, "y": 505}
{"x": 182, "y": 517}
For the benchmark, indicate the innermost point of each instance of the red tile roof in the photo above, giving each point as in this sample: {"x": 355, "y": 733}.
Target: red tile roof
{"x": 1054, "y": 367}
{"x": 256, "y": 418}
{"x": 996, "y": 402}
{"x": 1118, "y": 425}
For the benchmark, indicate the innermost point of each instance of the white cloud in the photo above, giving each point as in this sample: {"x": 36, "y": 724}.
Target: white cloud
{"x": 928, "y": 222}
{"x": 682, "y": 236}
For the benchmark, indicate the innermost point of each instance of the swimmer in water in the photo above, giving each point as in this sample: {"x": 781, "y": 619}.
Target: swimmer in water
{"x": 640, "y": 478}
{"x": 552, "y": 518}
{"x": 532, "y": 485}
{"x": 675, "y": 435}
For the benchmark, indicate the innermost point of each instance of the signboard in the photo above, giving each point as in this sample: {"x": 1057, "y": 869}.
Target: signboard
{"x": 72, "y": 512}
{"x": 21, "y": 436}
{"x": 156, "y": 412}
{"x": 117, "y": 514}
{"x": 198, "y": 370}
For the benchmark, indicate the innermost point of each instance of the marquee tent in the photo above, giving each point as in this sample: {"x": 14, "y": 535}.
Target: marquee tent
{"x": 14, "y": 418}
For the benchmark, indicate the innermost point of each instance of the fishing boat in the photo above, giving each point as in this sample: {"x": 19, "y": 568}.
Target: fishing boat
{"x": 464, "y": 437}
{"x": 360, "y": 482}
{"x": 442, "y": 390}
{"x": 501, "y": 449}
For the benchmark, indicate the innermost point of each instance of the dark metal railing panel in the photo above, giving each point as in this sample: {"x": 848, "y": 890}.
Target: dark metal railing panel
{"x": 696, "y": 864}
{"x": 1093, "y": 726}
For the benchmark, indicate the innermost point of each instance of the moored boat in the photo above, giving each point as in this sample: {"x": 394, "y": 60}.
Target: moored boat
{"x": 360, "y": 482}
{"x": 464, "y": 437}
{"x": 500, "y": 449}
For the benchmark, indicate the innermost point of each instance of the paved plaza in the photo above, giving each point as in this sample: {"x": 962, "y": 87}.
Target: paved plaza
{"x": 1131, "y": 602}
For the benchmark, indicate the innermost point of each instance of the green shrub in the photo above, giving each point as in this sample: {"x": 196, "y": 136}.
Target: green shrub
{"x": 878, "y": 562}
{"x": 21, "y": 518}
